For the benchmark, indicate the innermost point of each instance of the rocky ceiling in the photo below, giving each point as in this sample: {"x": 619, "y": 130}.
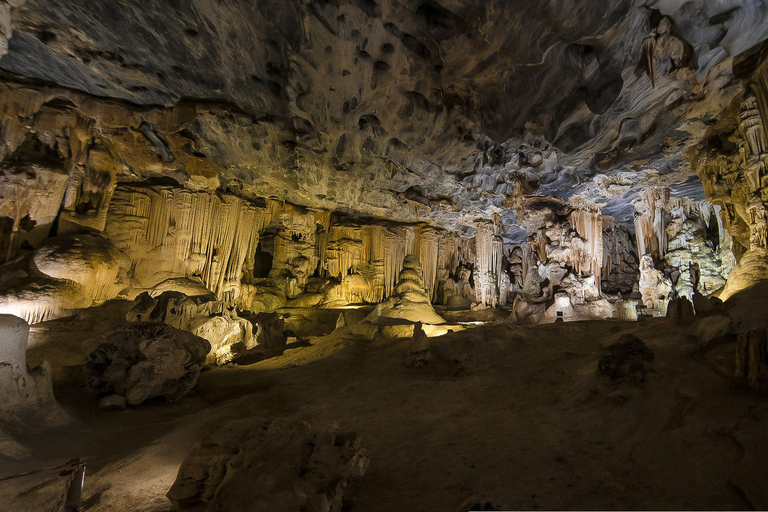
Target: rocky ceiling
{"x": 448, "y": 109}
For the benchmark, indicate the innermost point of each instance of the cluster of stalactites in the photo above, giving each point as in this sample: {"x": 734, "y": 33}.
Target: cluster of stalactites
{"x": 376, "y": 251}
{"x": 588, "y": 256}
{"x": 173, "y": 232}
{"x": 752, "y": 129}
{"x": 653, "y": 212}
{"x": 489, "y": 254}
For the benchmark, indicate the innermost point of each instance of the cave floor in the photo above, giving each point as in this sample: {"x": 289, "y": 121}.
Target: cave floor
{"x": 522, "y": 425}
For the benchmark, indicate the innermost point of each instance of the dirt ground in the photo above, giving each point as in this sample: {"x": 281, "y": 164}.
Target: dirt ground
{"x": 516, "y": 419}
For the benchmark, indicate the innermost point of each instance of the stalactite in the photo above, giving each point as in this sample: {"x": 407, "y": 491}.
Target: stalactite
{"x": 589, "y": 256}
{"x": 428, "y": 255}
{"x": 175, "y": 232}
{"x": 760, "y": 88}
{"x": 489, "y": 254}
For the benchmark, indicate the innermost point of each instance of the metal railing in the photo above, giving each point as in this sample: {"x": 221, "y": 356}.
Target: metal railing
{"x": 71, "y": 496}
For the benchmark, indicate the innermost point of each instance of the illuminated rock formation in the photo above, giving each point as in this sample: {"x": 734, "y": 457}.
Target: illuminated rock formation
{"x": 685, "y": 238}
{"x": 19, "y": 387}
{"x": 143, "y": 360}
{"x": 561, "y": 267}
{"x": 410, "y": 303}
{"x": 65, "y": 273}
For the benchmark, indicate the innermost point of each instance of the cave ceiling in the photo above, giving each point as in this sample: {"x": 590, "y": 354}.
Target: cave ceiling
{"x": 448, "y": 110}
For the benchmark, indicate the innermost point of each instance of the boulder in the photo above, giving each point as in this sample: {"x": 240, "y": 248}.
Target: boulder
{"x": 625, "y": 361}
{"x": 282, "y": 466}
{"x": 229, "y": 335}
{"x": 711, "y": 328}
{"x": 88, "y": 260}
{"x": 143, "y": 360}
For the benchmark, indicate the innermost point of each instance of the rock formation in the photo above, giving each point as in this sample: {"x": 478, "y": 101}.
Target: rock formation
{"x": 752, "y": 359}
{"x": 279, "y": 466}
{"x": 144, "y": 360}
{"x": 625, "y": 361}
{"x": 410, "y": 303}
{"x": 685, "y": 239}
{"x": 20, "y": 388}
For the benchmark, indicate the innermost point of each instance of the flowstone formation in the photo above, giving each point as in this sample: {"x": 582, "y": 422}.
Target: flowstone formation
{"x": 20, "y": 388}
{"x": 26, "y": 396}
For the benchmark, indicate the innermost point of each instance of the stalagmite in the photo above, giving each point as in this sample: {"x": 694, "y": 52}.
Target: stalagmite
{"x": 410, "y": 303}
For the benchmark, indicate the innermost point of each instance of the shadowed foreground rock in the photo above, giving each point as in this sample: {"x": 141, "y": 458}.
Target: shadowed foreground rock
{"x": 280, "y": 466}
{"x": 144, "y": 360}
{"x": 625, "y": 361}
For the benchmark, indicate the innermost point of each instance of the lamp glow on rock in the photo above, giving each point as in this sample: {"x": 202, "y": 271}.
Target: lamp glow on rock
{"x": 410, "y": 304}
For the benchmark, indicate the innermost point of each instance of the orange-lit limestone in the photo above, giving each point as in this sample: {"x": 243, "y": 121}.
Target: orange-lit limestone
{"x": 171, "y": 232}
{"x": 410, "y": 302}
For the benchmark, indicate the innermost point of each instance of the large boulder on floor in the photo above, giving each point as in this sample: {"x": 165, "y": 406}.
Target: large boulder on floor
{"x": 709, "y": 329}
{"x": 625, "y": 361}
{"x": 229, "y": 335}
{"x": 144, "y": 360}
{"x": 281, "y": 466}
{"x": 410, "y": 303}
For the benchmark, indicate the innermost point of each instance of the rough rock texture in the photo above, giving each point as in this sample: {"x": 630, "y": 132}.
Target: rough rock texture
{"x": 144, "y": 360}
{"x": 293, "y": 154}
{"x": 26, "y": 396}
{"x": 625, "y": 361}
{"x": 687, "y": 239}
{"x": 335, "y": 88}
{"x": 271, "y": 335}
{"x": 752, "y": 359}
{"x": 200, "y": 314}
{"x": 19, "y": 387}
{"x": 65, "y": 273}
{"x": 282, "y": 466}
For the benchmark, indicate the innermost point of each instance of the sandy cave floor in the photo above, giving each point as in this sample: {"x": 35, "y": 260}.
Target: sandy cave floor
{"x": 521, "y": 423}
